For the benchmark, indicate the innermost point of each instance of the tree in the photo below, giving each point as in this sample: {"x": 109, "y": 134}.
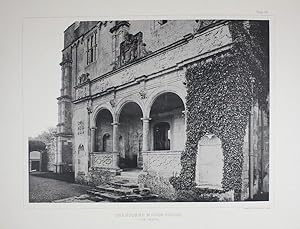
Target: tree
{"x": 47, "y": 136}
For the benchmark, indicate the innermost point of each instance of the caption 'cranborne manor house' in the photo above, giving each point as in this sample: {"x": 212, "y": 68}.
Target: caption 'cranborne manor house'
{"x": 183, "y": 104}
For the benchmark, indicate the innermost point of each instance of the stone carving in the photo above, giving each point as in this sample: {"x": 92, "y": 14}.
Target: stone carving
{"x": 132, "y": 48}
{"x": 102, "y": 85}
{"x": 113, "y": 102}
{"x": 143, "y": 94}
{"x": 82, "y": 92}
{"x": 80, "y": 128}
{"x": 163, "y": 162}
{"x": 103, "y": 160}
{"x": 83, "y": 78}
{"x": 89, "y": 106}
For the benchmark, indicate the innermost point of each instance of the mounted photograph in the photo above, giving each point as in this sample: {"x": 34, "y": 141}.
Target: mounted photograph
{"x": 147, "y": 110}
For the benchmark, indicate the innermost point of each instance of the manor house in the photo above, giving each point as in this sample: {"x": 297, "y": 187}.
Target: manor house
{"x": 123, "y": 99}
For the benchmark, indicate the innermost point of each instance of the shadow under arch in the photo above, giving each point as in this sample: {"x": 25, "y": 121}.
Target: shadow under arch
{"x": 160, "y": 91}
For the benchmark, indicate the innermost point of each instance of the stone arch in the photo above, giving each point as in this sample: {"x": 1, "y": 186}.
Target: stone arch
{"x": 125, "y": 101}
{"x": 161, "y": 90}
{"x": 103, "y": 123}
{"x": 105, "y": 106}
{"x": 129, "y": 113}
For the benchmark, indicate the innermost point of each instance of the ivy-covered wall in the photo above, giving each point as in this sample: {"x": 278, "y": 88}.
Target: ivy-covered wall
{"x": 220, "y": 93}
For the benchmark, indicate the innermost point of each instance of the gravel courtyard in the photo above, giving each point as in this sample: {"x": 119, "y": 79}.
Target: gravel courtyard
{"x": 46, "y": 190}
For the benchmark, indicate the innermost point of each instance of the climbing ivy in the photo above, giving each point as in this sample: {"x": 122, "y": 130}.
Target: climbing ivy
{"x": 219, "y": 98}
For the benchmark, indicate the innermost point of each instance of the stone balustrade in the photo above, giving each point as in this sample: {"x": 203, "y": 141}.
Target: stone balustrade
{"x": 165, "y": 162}
{"x": 107, "y": 160}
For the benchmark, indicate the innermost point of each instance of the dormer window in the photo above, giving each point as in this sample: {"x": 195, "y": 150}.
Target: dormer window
{"x": 91, "y": 48}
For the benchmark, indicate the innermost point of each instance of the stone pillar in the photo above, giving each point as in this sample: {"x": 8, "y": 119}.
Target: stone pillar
{"x": 115, "y": 136}
{"x": 59, "y": 155}
{"x": 146, "y": 125}
{"x": 93, "y": 139}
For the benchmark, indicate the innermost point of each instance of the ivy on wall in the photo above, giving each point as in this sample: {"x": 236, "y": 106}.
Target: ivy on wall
{"x": 220, "y": 90}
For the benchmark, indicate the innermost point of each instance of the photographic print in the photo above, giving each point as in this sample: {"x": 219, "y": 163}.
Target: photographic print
{"x": 152, "y": 111}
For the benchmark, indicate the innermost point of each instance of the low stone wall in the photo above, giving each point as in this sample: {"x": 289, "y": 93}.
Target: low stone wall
{"x": 108, "y": 160}
{"x": 158, "y": 184}
{"x": 205, "y": 195}
{"x": 95, "y": 176}
{"x": 165, "y": 162}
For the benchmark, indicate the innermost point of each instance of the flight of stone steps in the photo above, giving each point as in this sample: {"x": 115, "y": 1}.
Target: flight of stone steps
{"x": 121, "y": 189}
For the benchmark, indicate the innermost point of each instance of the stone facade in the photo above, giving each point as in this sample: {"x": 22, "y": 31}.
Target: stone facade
{"x": 122, "y": 102}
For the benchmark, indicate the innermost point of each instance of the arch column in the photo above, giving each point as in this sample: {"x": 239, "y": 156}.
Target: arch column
{"x": 146, "y": 129}
{"x": 115, "y": 136}
{"x": 93, "y": 139}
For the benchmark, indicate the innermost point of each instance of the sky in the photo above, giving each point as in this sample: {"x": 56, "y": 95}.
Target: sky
{"x": 42, "y": 45}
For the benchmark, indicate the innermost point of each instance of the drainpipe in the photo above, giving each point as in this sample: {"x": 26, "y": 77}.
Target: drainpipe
{"x": 251, "y": 126}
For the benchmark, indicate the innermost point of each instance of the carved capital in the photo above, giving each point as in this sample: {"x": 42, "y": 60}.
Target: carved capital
{"x": 112, "y": 102}
{"x": 146, "y": 119}
{"x": 89, "y": 106}
{"x": 143, "y": 94}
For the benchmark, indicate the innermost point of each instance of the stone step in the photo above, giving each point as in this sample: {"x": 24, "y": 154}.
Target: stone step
{"x": 137, "y": 197}
{"x": 102, "y": 193}
{"x": 111, "y": 196}
{"x": 95, "y": 198}
{"x": 125, "y": 179}
{"x": 124, "y": 184}
{"x": 119, "y": 190}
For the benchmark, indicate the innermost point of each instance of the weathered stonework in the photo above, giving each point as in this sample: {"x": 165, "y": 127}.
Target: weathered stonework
{"x": 120, "y": 81}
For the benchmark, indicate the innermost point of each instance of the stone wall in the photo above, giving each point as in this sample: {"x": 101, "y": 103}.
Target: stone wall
{"x": 158, "y": 184}
{"x": 67, "y": 156}
{"x": 94, "y": 177}
{"x": 51, "y": 154}
{"x": 260, "y": 163}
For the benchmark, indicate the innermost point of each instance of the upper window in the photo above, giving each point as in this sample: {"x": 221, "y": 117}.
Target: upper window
{"x": 91, "y": 48}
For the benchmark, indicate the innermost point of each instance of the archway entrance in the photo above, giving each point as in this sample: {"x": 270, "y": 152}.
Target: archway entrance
{"x": 167, "y": 123}
{"x": 130, "y": 136}
{"x": 104, "y": 131}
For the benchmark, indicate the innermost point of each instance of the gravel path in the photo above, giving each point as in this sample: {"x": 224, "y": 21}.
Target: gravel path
{"x": 46, "y": 190}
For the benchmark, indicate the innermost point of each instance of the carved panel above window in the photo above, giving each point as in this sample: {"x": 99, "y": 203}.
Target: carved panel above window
{"x": 131, "y": 48}
{"x": 80, "y": 128}
{"x": 83, "y": 78}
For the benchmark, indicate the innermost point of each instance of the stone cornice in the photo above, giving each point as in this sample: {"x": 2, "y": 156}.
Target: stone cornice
{"x": 176, "y": 67}
{"x": 66, "y": 63}
{"x": 64, "y": 135}
{"x": 67, "y": 97}
{"x": 182, "y": 41}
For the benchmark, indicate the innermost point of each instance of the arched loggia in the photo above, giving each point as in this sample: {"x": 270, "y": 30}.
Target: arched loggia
{"x": 167, "y": 122}
{"x": 130, "y": 135}
{"x": 104, "y": 131}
